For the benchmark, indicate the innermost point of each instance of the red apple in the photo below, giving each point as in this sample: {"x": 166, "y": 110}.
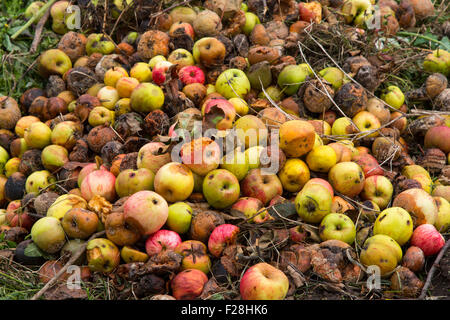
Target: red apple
{"x": 221, "y": 237}
{"x": 159, "y": 71}
{"x": 261, "y": 186}
{"x": 162, "y": 240}
{"x": 427, "y": 238}
{"x": 188, "y": 284}
{"x": 191, "y": 74}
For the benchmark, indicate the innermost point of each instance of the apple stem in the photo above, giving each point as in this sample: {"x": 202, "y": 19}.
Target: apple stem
{"x": 98, "y": 161}
{"x": 33, "y": 18}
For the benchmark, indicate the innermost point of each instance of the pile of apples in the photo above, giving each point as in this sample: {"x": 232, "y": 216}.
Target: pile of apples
{"x": 69, "y": 168}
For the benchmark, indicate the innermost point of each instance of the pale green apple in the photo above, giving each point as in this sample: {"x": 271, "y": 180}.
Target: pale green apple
{"x": 337, "y": 226}
{"x": 236, "y": 163}
{"x": 180, "y": 216}
{"x": 292, "y": 76}
{"x": 232, "y": 83}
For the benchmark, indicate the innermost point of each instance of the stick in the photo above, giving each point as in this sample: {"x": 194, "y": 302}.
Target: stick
{"x": 68, "y": 264}
{"x": 39, "y": 29}
{"x": 432, "y": 270}
{"x": 32, "y": 19}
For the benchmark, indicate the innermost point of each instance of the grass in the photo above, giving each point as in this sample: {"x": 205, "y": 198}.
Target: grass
{"x": 16, "y": 63}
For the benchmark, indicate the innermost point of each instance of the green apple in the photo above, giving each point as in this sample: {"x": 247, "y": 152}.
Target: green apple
{"x": 438, "y": 61}
{"x": 4, "y": 157}
{"x": 251, "y": 20}
{"x": 182, "y": 57}
{"x": 180, "y": 216}
{"x": 147, "y": 97}
{"x": 48, "y": 234}
{"x": 54, "y": 61}
{"x": 142, "y": 72}
{"x": 273, "y": 92}
{"x": 97, "y": 42}
{"x": 221, "y": 188}
{"x": 382, "y": 251}
{"x": 395, "y": 222}
{"x": 12, "y": 166}
{"x": 54, "y": 157}
{"x": 38, "y": 135}
{"x": 32, "y": 9}
{"x": 232, "y": 83}
{"x": 313, "y": 203}
{"x": 393, "y": 96}
{"x": 244, "y": 7}
{"x": 130, "y": 181}
{"x": 292, "y": 76}
{"x": 253, "y": 157}
{"x": 356, "y": 11}
{"x": 236, "y": 163}
{"x": 100, "y": 116}
{"x": 38, "y": 181}
{"x": 334, "y": 76}
{"x": 102, "y": 255}
{"x": 337, "y": 226}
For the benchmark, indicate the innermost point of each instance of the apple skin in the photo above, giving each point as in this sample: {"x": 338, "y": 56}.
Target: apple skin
{"x": 125, "y": 86}
{"x": 174, "y": 181}
{"x": 80, "y": 223}
{"x": 382, "y": 251}
{"x": 292, "y": 76}
{"x": 322, "y": 182}
{"x": 54, "y": 61}
{"x": 147, "y": 97}
{"x": 347, "y": 178}
{"x": 379, "y": 189}
{"x": 263, "y": 282}
{"x": 396, "y": 223}
{"x": 427, "y": 238}
{"x": 48, "y": 234}
{"x": 261, "y": 186}
{"x": 201, "y": 155}
{"x": 102, "y": 255}
{"x": 221, "y": 188}
{"x": 238, "y": 81}
{"x": 162, "y": 240}
{"x": 366, "y": 121}
{"x": 313, "y": 203}
{"x": 131, "y": 181}
{"x": 113, "y": 75}
{"x": 188, "y": 284}
{"x": 147, "y": 211}
{"x": 99, "y": 182}
{"x": 179, "y": 218}
{"x": 334, "y": 76}
{"x": 151, "y": 157}
{"x": 251, "y": 131}
{"x": 23, "y": 123}
{"x": 221, "y": 237}
{"x": 337, "y": 226}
